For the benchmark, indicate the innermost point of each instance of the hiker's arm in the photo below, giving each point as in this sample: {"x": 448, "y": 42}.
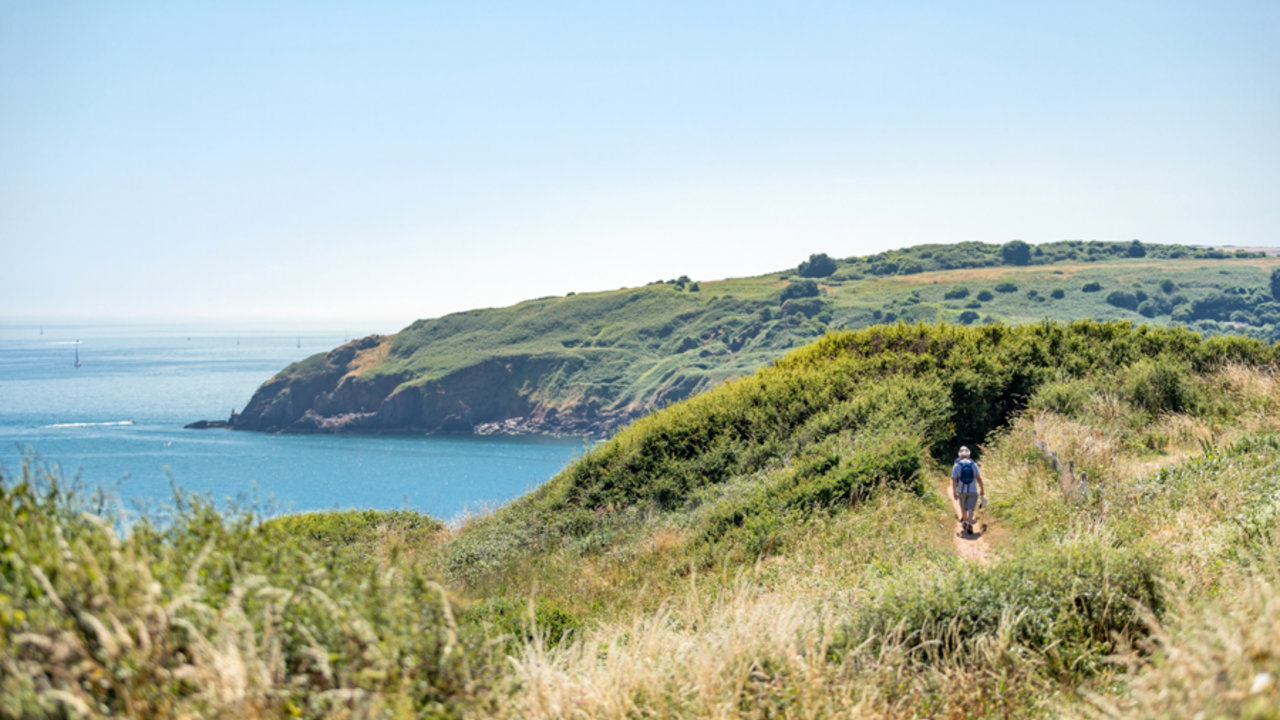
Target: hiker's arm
{"x": 982, "y": 489}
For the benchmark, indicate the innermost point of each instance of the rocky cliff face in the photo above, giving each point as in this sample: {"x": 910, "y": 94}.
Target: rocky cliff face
{"x": 330, "y": 394}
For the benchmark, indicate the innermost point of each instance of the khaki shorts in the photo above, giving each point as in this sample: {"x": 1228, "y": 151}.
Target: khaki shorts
{"x": 968, "y": 500}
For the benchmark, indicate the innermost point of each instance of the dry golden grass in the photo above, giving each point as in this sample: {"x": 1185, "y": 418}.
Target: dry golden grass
{"x": 366, "y": 360}
{"x": 1214, "y": 657}
{"x": 1060, "y": 270}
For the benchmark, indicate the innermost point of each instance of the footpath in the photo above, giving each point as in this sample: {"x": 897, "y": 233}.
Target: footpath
{"x": 975, "y": 546}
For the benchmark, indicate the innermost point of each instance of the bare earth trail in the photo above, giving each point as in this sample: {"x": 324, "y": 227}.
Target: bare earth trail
{"x": 976, "y": 547}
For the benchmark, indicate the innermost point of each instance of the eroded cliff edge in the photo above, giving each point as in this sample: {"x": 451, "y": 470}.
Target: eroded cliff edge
{"x": 338, "y": 392}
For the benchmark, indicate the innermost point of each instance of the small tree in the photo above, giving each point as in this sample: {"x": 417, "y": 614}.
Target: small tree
{"x": 1016, "y": 252}
{"x": 818, "y": 265}
{"x": 1136, "y": 249}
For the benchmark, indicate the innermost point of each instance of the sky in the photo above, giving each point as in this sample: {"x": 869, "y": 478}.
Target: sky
{"x": 390, "y": 160}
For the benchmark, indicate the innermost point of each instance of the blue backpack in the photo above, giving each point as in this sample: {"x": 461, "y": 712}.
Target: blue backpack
{"x": 968, "y": 469}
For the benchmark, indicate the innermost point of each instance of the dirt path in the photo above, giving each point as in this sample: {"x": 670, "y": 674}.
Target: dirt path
{"x": 974, "y": 547}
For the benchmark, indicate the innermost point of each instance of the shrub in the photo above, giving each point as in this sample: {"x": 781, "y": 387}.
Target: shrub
{"x": 1167, "y": 286}
{"x": 511, "y": 618}
{"x": 1136, "y": 250}
{"x": 968, "y": 317}
{"x": 1058, "y": 294}
{"x": 1242, "y": 317}
{"x": 1066, "y": 397}
{"x": 1007, "y": 287}
{"x": 1016, "y": 252}
{"x": 807, "y": 307}
{"x": 1091, "y": 287}
{"x": 800, "y": 289}
{"x": 1122, "y": 299}
{"x": 985, "y": 295}
{"x": 818, "y": 265}
{"x": 1148, "y": 309}
{"x": 1275, "y": 284}
{"x": 956, "y": 293}
{"x": 1163, "y": 385}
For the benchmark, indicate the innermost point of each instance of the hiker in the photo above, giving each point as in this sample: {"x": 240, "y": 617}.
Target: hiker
{"x": 967, "y": 487}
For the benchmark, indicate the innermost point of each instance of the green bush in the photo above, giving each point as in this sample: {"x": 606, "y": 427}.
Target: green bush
{"x": 800, "y": 289}
{"x": 516, "y": 622}
{"x": 1122, "y": 299}
{"x": 354, "y": 527}
{"x": 1007, "y": 287}
{"x": 985, "y": 295}
{"x": 956, "y": 293}
{"x": 1058, "y": 294}
{"x": 1066, "y": 397}
{"x": 818, "y": 265}
{"x": 1016, "y": 252}
{"x": 1163, "y": 384}
{"x": 1090, "y": 287}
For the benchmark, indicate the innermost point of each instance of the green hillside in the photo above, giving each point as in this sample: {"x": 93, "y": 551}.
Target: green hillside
{"x": 781, "y": 546}
{"x": 589, "y": 363}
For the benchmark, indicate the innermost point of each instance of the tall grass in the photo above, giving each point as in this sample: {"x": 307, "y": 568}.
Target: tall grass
{"x": 214, "y": 615}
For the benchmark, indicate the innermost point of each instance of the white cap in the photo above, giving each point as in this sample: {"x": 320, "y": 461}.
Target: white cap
{"x": 964, "y": 451}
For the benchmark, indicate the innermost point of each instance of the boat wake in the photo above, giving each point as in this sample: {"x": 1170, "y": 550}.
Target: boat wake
{"x": 87, "y": 424}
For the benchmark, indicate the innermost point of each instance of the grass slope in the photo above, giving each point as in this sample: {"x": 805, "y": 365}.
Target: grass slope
{"x": 772, "y": 548}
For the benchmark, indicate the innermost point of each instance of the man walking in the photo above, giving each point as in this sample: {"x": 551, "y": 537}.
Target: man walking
{"x": 967, "y": 487}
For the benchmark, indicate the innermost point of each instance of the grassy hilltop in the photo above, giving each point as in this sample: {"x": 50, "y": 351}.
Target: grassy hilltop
{"x": 589, "y": 363}
{"x": 780, "y": 546}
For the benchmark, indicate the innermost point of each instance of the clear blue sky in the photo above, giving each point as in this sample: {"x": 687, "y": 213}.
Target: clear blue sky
{"x": 403, "y": 160}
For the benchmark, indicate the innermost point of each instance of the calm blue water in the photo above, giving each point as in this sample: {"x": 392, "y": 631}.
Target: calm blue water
{"x": 117, "y": 421}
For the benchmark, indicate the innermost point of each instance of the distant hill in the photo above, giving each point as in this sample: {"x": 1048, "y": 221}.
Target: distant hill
{"x": 589, "y": 363}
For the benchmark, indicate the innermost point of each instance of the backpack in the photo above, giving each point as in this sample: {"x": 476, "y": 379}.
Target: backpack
{"x": 968, "y": 469}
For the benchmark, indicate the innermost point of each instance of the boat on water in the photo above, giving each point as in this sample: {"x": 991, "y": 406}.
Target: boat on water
{"x": 77, "y": 345}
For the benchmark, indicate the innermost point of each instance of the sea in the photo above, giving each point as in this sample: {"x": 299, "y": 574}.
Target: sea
{"x": 115, "y": 422}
